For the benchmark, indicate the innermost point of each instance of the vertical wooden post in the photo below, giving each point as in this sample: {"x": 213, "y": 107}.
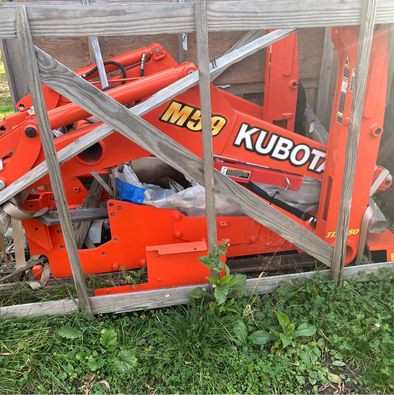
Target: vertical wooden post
{"x": 45, "y": 131}
{"x": 11, "y": 63}
{"x": 325, "y": 90}
{"x": 205, "y": 104}
{"x": 364, "y": 49}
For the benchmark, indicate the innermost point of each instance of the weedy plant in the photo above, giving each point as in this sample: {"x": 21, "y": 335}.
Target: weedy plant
{"x": 281, "y": 337}
{"x": 223, "y": 283}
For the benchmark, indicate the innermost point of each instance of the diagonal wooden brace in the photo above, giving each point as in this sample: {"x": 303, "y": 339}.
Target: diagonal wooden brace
{"x": 133, "y": 127}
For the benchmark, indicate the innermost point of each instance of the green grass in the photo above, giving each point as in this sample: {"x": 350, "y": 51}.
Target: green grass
{"x": 194, "y": 349}
{"x": 5, "y": 98}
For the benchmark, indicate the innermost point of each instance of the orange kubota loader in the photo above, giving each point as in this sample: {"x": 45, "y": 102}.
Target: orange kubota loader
{"x": 262, "y": 147}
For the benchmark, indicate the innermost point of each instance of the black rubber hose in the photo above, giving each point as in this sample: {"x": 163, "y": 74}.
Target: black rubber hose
{"x": 106, "y": 63}
{"x": 272, "y": 199}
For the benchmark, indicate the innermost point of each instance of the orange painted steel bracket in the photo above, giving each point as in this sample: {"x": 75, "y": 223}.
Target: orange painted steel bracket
{"x": 345, "y": 41}
{"x": 167, "y": 266}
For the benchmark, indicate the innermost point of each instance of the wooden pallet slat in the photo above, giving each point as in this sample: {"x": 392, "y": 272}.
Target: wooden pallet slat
{"x": 34, "y": 82}
{"x": 367, "y": 25}
{"x": 327, "y": 79}
{"x": 166, "y": 297}
{"x": 172, "y": 18}
{"x": 206, "y": 116}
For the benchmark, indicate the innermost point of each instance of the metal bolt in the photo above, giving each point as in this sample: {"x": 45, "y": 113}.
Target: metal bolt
{"x": 30, "y": 132}
{"x": 2, "y": 184}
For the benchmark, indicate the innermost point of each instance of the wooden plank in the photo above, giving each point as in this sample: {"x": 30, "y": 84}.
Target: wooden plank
{"x": 103, "y": 183}
{"x": 94, "y": 47}
{"x": 313, "y": 126}
{"x": 367, "y": 25}
{"x": 13, "y": 65}
{"x": 33, "y": 78}
{"x": 327, "y": 79}
{"x": 27, "y": 266}
{"x": 97, "y": 103}
{"x": 19, "y": 243}
{"x": 91, "y": 202}
{"x": 174, "y": 296}
{"x": 3, "y": 251}
{"x": 154, "y": 101}
{"x": 95, "y": 51}
{"x": 7, "y": 22}
{"x": 206, "y": 116}
{"x": 164, "y": 18}
{"x": 77, "y": 215}
{"x": 55, "y": 307}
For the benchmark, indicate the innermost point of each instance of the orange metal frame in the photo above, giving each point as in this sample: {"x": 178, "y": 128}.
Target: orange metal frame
{"x": 166, "y": 241}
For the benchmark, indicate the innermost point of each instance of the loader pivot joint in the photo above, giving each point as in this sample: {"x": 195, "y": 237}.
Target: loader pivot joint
{"x": 30, "y": 132}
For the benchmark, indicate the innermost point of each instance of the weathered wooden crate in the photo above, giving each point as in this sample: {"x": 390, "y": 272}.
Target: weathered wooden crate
{"x": 34, "y": 20}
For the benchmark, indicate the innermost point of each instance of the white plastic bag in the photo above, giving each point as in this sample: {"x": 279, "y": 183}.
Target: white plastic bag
{"x": 305, "y": 199}
{"x": 191, "y": 201}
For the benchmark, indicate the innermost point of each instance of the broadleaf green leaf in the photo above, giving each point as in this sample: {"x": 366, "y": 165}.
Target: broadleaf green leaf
{"x": 300, "y": 379}
{"x": 69, "y": 333}
{"x": 125, "y": 361}
{"x": 198, "y": 293}
{"x": 285, "y": 339}
{"x": 211, "y": 263}
{"x": 220, "y": 293}
{"x": 260, "y": 337}
{"x": 283, "y": 319}
{"x": 239, "y": 283}
{"x": 240, "y": 331}
{"x": 95, "y": 364}
{"x": 108, "y": 338}
{"x": 306, "y": 330}
{"x": 334, "y": 378}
